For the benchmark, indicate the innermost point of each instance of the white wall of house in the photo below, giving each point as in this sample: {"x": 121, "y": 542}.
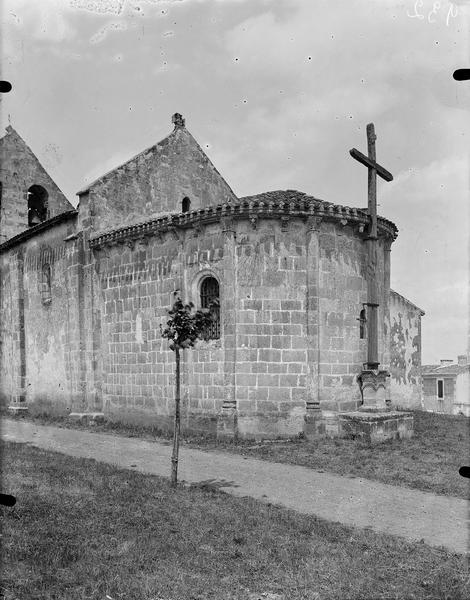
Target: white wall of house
{"x": 462, "y": 394}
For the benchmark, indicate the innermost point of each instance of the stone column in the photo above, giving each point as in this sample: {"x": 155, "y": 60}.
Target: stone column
{"x": 375, "y": 382}
{"x": 227, "y": 425}
{"x": 18, "y": 397}
{"x": 313, "y": 421}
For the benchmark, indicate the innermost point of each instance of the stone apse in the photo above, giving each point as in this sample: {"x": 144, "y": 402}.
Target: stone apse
{"x": 83, "y": 294}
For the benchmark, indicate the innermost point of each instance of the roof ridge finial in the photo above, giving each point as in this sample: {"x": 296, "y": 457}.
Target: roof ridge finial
{"x": 178, "y": 120}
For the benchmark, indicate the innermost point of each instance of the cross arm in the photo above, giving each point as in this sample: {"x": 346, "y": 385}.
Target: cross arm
{"x": 365, "y": 160}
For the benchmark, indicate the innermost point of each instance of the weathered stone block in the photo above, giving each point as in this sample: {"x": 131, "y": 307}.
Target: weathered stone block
{"x": 376, "y": 427}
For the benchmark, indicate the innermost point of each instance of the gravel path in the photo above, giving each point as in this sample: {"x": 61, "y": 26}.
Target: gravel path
{"x": 411, "y": 514}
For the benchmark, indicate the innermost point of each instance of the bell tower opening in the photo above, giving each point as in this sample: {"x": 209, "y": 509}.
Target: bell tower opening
{"x": 185, "y": 204}
{"x": 37, "y": 205}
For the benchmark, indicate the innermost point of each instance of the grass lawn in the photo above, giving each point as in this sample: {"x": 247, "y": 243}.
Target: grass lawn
{"x": 84, "y": 530}
{"x": 430, "y": 461}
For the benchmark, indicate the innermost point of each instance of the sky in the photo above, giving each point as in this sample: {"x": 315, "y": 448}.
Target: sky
{"x": 276, "y": 92}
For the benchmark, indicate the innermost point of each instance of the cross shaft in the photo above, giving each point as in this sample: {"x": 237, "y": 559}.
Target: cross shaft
{"x": 374, "y": 169}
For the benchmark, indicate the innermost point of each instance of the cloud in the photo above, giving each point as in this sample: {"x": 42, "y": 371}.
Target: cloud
{"x": 48, "y": 20}
{"x": 114, "y": 7}
{"x": 430, "y": 259}
{"x": 100, "y": 35}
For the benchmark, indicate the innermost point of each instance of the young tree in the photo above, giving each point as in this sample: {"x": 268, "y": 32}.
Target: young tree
{"x": 183, "y": 329}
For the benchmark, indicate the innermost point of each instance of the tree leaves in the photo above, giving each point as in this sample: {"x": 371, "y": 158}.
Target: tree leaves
{"x": 185, "y": 327}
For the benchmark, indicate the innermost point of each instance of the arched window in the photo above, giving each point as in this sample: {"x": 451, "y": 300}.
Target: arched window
{"x": 46, "y": 294}
{"x": 210, "y": 299}
{"x": 362, "y": 324}
{"x": 37, "y": 205}
{"x": 185, "y": 204}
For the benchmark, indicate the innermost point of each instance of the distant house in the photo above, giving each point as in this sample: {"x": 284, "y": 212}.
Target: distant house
{"x": 446, "y": 387}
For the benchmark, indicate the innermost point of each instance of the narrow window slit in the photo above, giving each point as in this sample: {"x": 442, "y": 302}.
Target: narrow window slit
{"x": 210, "y": 300}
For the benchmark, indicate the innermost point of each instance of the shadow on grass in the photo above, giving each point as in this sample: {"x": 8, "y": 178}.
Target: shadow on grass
{"x": 213, "y": 485}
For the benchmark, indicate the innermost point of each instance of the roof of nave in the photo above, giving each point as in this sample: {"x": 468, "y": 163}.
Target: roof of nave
{"x": 408, "y": 302}
{"x": 279, "y": 204}
{"x": 32, "y": 231}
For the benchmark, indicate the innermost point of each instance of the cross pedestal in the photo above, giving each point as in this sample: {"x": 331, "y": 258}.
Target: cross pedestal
{"x": 374, "y": 391}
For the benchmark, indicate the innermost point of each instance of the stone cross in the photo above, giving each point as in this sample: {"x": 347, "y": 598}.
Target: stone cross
{"x": 374, "y": 169}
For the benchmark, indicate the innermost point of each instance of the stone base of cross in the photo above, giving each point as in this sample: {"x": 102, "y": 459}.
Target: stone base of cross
{"x": 374, "y": 391}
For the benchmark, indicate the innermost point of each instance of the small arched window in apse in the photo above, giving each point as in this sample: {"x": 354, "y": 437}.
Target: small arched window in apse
{"x": 362, "y": 324}
{"x": 37, "y": 205}
{"x": 185, "y": 204}
{"x": 210, "y": 299}
{"x": 46, "y": 293}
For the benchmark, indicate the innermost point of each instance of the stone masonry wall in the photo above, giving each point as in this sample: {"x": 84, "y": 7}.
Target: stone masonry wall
{"x": 271, "y": 366}
{"x": 291, "y": 293}
{"x": 38, "y": 333}
{"x": 342, "y": 292}
{"x": 12, "y": 381}
{"x": 155, "y": 182}
{"x": 405, "y": 350}
{"x": 137, "y": 286}
{"x": 262, "y": 370}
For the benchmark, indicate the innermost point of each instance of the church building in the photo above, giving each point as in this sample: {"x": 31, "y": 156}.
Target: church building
{"x": 83, "y": 293}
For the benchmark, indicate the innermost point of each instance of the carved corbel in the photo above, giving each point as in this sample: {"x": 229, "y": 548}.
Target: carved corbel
{"x": 254, "y": 221}
{"x": 174, "y": 233}
{"x": 102, "y": 251}
{"x": 197, "y": 230}
{"x": 313, "y": 223}
{"x": 228, "y": 225}
{"x": 284, "y": 223}
{"x": 143, "y": 241}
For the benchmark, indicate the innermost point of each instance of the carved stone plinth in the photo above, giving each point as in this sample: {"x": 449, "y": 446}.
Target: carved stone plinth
{"x": 374, "y": 391}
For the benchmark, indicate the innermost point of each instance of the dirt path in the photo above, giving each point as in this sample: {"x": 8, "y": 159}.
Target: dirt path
{"x": 414, "y": 515}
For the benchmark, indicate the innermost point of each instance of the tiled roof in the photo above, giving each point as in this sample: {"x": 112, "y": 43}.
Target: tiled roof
{"x": 276, "y": 204}
{"x": 286, "y": 196}
{"x": 32, "y": 231}
{"x": 443, "y": 370}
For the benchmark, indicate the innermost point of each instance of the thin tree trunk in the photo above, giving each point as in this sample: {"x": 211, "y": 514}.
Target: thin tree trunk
{"x": 176, "y": 432}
